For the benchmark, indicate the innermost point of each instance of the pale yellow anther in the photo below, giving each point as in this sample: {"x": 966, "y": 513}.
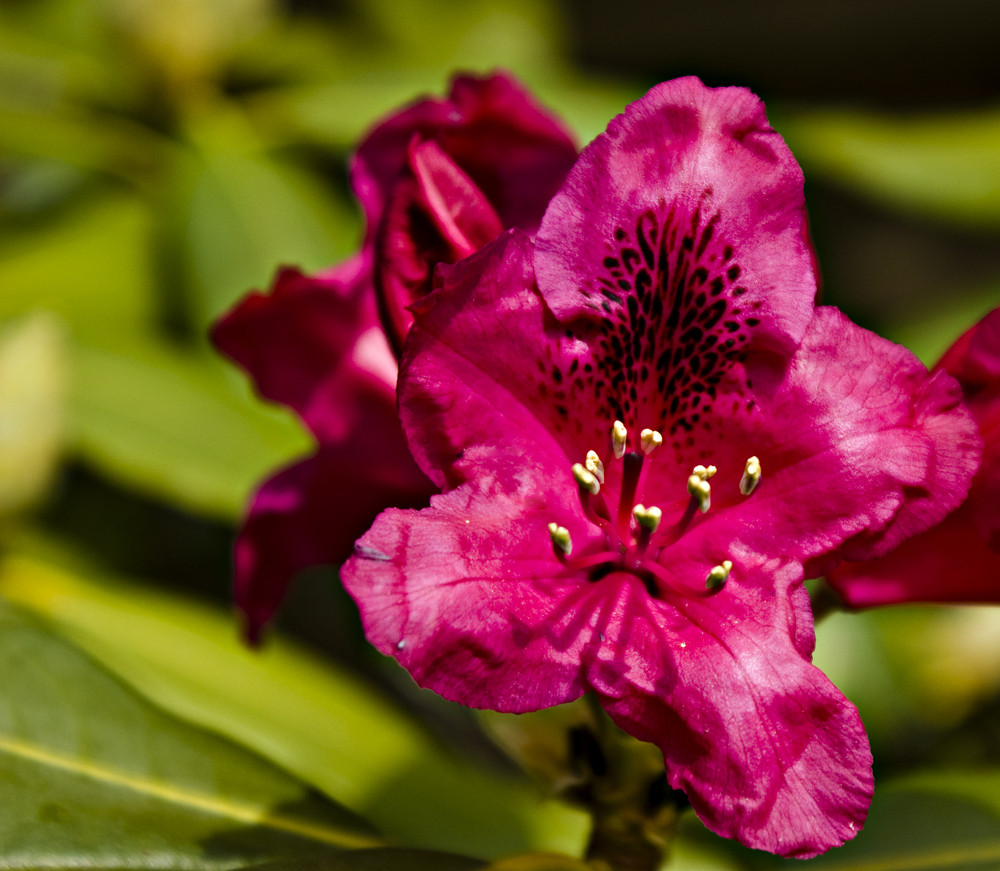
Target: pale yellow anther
{"x": 619, "y": 438}
{"x": 751, "y": 476}
{"x": 704, "y": 472}
{"x": 560, "y": 538}
{"x": 650, "y": 440}
{"x": 701, "y": 490}
{"x": 594, "y": 465}
{"x": 719, "y": 574}
{"x": 587, "y": 480}
{"x": 648, "y": 518}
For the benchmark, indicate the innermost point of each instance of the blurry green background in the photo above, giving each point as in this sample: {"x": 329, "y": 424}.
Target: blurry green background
{"x": 158, "y": 158}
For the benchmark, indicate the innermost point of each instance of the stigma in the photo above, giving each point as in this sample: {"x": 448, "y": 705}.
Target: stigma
{"x": 647, "y": 518}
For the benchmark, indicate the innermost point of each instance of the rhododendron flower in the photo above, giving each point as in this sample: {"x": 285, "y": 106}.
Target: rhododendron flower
{"x": 959, "y": 559}
{"x": 644, "y": 433}
{"x": 436, "y": 180}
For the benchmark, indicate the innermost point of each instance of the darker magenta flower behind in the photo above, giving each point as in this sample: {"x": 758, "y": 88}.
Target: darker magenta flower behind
{"x": 436, "y": 180}
{"x": 440, "y": 179}
{"x": 959, "y": 559}
{"x": 644, "y": 433}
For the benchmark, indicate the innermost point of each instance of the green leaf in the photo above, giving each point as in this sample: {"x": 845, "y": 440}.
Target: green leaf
{"x": 312, "y": 718}
{"x": 981, "y": 786}
{"x": 93, "y": 776}
{"x": 240, "y": 215}
{"x": 92, "y": 268}
{"x": 931, "y": 328}
{"x": 917, "y": 830}
{"x": 944, "y": 166}
{"x": 176, "y": 425}
{"x": 379, "y": 859}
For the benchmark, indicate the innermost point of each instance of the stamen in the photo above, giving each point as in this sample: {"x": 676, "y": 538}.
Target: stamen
{"x": 670, "y": 583}
{"x": 718, "y": 575}
{"x": 619, "y": 438}
{"x": 587, "y": 480}
{"x": 648, "y": 518}
{"x": 704, "y": 472}
{"x": 751, "y": 476}
{"x": 560, "y": 538}
{"x": 650, "y": 440}
{"x": 701, "y": 491}
{"x": 594, "y": 465}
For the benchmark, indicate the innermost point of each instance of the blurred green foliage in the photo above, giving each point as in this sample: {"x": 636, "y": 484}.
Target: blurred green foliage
{"x": 158, "y": 158}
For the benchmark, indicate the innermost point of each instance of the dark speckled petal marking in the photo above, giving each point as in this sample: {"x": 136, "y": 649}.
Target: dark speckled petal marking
{"x": 672, "y": 322}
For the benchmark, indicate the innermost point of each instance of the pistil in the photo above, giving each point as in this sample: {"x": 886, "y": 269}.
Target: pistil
{"x": 631, "y": 471}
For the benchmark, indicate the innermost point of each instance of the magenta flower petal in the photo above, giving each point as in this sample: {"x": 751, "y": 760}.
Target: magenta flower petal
{"x": 314, "y": 345}
{"x": 949, "y": 563}
{"x": 684, "y": 227}
{"x": 974, "y": 360}
{"x": 959, "y": 559}
{"x": 459, "y": 643}
{"x": 460, "y": 211}
{"x": 436, "y": 216}
{"x": 731, "y": 698}
{"x": 310, "y": 513}
{"x": 493, "y": 129}
{"x": 865, "y": 448}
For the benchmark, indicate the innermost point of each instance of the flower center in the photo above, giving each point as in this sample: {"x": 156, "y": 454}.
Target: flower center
{"x": 634, "y": 534}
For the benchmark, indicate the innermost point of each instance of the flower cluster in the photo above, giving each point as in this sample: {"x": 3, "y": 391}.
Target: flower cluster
{"x": 641, "y": 431}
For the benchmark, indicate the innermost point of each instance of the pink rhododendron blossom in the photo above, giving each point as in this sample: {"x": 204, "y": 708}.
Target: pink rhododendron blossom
{"x": 959, "y": 559}
{"x": 437, "y": 181}
{"x": 644, "y": 432}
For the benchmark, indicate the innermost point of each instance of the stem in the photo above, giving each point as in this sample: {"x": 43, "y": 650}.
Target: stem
{"x": 633, "y": 822}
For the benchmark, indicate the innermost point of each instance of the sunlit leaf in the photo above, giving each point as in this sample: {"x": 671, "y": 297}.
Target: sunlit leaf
{"x": 311, "y": 718}
{"x": 93, "y": 776}
{"x": 187, "y": 40}
{"x": 945, "y": 166}
{"x": 176, "y": 425}
{"x": 32, "y": 416}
